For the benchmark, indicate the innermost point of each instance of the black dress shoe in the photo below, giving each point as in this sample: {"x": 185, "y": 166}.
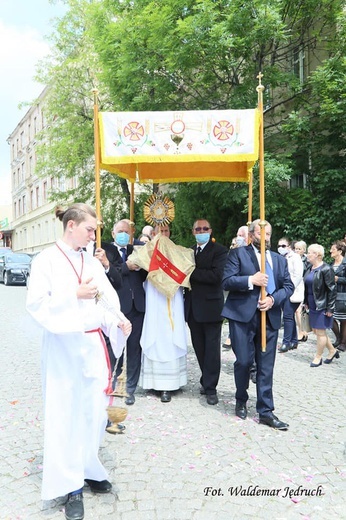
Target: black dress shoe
{"x": 130, "y": 399}
{"x": 273, "y": 422}
{"x": 74, "y": 507}
{"x": 212, "y": 399}
{"x": 285, "y": 348}
{"x": 241, "y": 410}
{"x": 99, "y": 486}
{"x": 166, "y": 397}
{"x": 202, "y": 391}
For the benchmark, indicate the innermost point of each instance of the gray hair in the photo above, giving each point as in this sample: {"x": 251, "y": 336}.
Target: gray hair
{"x": 255, "y": 223}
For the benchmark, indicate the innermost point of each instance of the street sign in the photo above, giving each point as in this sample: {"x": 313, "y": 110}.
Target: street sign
{"x": 3, "y": 223}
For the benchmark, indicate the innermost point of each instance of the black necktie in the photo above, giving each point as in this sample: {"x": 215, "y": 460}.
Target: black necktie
{"x": 198, "y": 250}
{"x": 123, "y": 253}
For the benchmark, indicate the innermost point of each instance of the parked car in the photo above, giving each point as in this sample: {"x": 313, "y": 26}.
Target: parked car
{"x": 27, "y": 274}
{"x": 14, "y": 267}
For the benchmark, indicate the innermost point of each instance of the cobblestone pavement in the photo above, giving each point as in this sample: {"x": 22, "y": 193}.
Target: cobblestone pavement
{"x": 184, "y": 459}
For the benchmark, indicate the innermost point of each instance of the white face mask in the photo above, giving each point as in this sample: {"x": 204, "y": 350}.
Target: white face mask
{"x": 283, "y": 250}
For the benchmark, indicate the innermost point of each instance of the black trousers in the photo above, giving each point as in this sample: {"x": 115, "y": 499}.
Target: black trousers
{"x": 206, "y": 341}
{"x": 134, "y": 351}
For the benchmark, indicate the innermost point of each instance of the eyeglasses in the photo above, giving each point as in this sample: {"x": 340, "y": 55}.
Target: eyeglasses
{"x": 282, "y": 245}
{"x": 204, "y": 228}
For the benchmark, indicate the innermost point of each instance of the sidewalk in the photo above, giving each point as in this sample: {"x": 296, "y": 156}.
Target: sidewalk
{"x": 185, "y": 459}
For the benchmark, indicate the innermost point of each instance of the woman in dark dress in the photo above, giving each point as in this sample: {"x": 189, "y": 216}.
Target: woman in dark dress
{"x": 320, "y": 295}
{"x": 337, "y": 252}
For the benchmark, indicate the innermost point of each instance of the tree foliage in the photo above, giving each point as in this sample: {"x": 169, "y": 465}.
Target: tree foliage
{"x": 205, "y": 54}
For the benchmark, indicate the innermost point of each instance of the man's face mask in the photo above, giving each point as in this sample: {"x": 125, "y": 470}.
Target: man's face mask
{"x": 122, "y": 238}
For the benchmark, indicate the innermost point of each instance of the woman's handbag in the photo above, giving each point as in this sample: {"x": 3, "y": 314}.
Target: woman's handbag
{"x": 305, "y": 320}
{"x": 340, "y": 303}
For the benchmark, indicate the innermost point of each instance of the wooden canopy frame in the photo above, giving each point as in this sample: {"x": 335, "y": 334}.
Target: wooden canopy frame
{"x": 218, "y": 172}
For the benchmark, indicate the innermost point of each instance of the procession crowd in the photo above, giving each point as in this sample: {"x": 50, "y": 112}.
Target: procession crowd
{"x": 105, "y": 318}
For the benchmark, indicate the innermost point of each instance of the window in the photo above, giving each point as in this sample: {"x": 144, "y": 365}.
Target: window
{"x": 37, "y": 196}
{"x": 299, "y": 63}
{"x": 44, "y": 192}
{"x": 24, "y": 205}
{"x": 298, "y": 181}
{"x": 32, "y": 200}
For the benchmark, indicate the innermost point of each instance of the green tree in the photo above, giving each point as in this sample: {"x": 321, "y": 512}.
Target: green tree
{"x": 197, "y": 54}
{"x": 66, "y": 145}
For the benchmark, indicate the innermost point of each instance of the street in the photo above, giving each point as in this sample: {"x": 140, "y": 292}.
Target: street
{"x": 184, "y": 460}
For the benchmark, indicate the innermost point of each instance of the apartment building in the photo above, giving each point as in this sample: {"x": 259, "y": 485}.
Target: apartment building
{"x": 34, "y": 226}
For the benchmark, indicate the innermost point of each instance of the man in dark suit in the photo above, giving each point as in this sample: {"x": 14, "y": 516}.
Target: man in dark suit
{"x": 131, "y": 295}
{"x": 243, "y": 279}
{"x": 203, "y": 306}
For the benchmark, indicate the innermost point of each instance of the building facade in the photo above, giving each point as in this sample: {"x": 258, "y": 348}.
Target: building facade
{"x": 34, "y": 226}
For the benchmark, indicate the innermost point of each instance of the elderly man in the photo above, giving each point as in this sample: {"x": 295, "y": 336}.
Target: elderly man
{"x": 244, "y": 305}
{"x": 131, "y": 295}
{"x": 203, "y": 306}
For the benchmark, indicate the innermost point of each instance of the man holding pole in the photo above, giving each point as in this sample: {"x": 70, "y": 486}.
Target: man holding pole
{"x": 243, "y": 308}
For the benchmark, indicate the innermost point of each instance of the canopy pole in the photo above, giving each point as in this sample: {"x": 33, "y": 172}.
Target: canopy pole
{"x": 97, "y": 169}
{"x": 260, "y": 89}
{"x": 249, "y": 211}
{"x": 132, "y": 208}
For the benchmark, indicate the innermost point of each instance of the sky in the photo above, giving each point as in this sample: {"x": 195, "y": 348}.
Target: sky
{"x": 24, "y": 26}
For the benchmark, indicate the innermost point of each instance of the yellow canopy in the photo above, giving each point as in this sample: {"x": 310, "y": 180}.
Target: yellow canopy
{"x": 180, "y": 146}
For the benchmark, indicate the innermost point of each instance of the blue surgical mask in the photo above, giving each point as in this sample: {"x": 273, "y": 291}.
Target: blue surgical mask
{"x": 122, "y": 238}
{"x": 202, "y": 238}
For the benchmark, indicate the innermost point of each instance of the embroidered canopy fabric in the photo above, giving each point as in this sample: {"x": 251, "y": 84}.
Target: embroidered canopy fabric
{"x": 169, "y": 266}
{"x": 203, "y": 145}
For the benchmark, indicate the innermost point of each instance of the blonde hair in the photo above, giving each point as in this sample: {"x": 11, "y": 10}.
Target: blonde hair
{"x": 318, "y": 249}
{"x": 301, "y": 244}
